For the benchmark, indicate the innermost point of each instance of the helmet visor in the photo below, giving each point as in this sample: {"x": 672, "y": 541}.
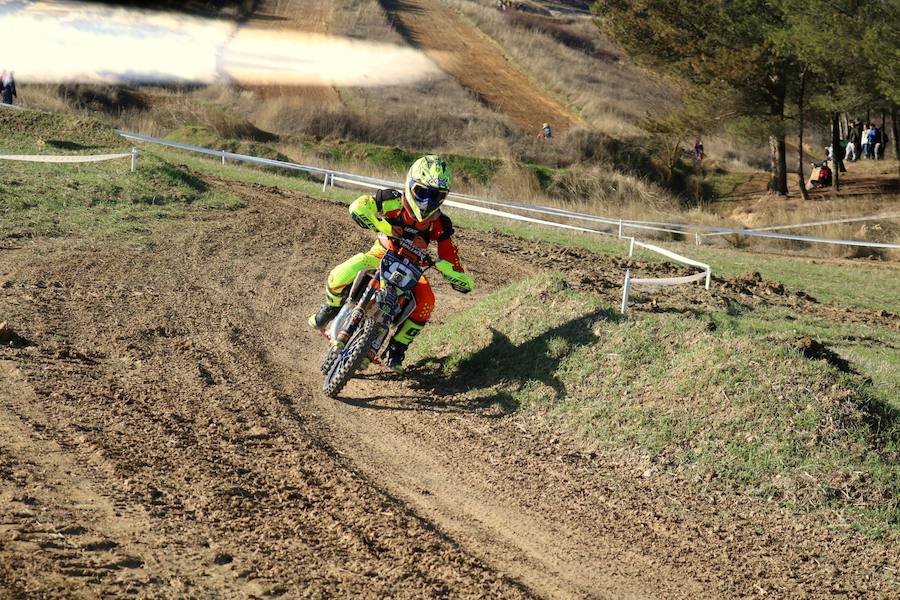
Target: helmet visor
{"x": 428, "y": 199}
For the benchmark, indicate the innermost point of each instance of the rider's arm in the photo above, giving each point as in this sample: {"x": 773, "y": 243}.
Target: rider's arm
{"x": 368, "y": 211}
{"x": 449, "y": 264}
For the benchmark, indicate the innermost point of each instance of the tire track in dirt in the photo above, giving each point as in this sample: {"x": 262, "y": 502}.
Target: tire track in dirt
{"x": 61, "y": 529}
{"x": 477, "y": 63}
{"x": 186, "y": 368}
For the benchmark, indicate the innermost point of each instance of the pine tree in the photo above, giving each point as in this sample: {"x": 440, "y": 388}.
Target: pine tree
{"x": 723, "y": 46}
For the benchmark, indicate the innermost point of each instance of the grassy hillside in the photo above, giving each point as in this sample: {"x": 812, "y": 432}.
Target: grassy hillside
{"x": 101, "y": 198}
{"x": 724, "y": 406}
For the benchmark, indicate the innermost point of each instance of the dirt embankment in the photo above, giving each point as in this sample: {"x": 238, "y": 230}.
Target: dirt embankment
{"x": 162, "y": 435}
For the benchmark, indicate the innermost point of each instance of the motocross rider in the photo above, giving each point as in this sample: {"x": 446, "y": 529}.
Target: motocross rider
{"x": 415, "y": 215}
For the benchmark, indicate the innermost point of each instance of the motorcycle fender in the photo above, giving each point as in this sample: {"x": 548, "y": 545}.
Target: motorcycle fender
{"x": 338, "y": 321}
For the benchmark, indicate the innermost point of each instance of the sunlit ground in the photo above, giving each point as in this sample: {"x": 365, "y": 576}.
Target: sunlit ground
{"x": 58, "y": 41}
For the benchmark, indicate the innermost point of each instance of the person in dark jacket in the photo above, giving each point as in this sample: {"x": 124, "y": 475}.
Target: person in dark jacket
{"x": 8, "y": 87}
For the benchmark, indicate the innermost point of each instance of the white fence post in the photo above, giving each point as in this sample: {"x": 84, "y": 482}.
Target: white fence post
{"x": 708, "y": 277}
{"x": 133, "y": 159}
{"x": 625, "y": 291}
{"x": 631, "y": 248}
{"x": 620, "y": 227}
{"x": 223, "y": 157}
{"x": 697, "y": 238}
{"x": 325, "y": 182}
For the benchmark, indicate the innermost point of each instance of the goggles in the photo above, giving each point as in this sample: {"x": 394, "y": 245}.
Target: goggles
{"x": 428, "y": 199}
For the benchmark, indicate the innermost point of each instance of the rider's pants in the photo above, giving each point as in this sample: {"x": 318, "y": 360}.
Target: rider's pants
{"x": 342, "y": 276}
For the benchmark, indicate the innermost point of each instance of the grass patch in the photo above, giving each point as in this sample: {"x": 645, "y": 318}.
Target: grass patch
{"x": 103, "y": 199}
{"x": 718, "y": 404}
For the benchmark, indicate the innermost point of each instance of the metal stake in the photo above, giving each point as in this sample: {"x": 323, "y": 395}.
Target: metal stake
{"x": 626, "y": 289}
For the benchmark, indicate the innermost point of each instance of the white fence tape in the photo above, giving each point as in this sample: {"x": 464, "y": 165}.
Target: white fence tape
{"x": 817, "y": 223}
{"x": 72, "y": 158}
{"x": 46, "y": 158}
{"x": 669, "y": 280}
{"x": 705, "y": 275}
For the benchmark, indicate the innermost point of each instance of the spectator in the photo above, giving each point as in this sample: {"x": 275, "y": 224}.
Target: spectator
{"x": 7, "y": 87}
{"x": 878, "y": 144}
{"x": 698, "y": 149}
{"x": 864, "y": 140}
{"x": 852, "y": 143}
{"x": 546, "y": 132}
{"x": 820, "y": 176}
{"x": 873, "y": 136}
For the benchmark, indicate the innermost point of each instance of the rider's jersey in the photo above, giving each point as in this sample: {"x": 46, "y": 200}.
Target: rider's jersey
{"x": 384, "y": 210}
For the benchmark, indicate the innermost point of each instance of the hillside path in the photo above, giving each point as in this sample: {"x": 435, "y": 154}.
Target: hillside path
{"x": 478, "y": 63}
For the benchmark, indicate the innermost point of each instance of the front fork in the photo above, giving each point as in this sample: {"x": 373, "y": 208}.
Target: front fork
{"x": 351, "y": 316}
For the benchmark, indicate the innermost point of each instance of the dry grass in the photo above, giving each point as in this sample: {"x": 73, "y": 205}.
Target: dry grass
{"x": 610, "y": 94}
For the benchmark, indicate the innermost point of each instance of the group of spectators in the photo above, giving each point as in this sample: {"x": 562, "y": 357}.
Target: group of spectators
{"x": 865, "y": 141}
{"x": 7, "y": 87}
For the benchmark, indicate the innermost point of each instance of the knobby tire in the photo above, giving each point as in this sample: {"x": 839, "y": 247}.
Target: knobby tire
{"x": 343, "y": 369}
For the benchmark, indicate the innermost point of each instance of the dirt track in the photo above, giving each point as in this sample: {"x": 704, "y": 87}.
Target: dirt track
{"x": 162, "y": 435}
{"x": 478, "y": 63}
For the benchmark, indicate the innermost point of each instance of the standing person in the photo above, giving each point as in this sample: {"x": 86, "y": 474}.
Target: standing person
{"x": 870, "y": 146}
{"x": 415, "y": 215}
{"x": 864, "y": 140}
{"x": 9, "y": 87}
{"x": 698, "y": 149}
{"x": 878, "y": 145}
{"x": 852, "y": 143}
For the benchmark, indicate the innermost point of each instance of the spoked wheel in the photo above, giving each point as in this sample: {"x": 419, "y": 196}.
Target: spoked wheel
{"x": 333, "y": 354}
{"x": 347, "y": 361}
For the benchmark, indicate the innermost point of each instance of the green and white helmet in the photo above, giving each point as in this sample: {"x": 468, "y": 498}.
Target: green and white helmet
{"x": 427, "y": 186}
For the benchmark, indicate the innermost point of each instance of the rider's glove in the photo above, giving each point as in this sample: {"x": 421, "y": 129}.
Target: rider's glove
{"x": 364, "y": 214}
{"x": 460, "y": 281}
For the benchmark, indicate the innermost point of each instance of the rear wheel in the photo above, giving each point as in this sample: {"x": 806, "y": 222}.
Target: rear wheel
{"x": 348, "y": 360}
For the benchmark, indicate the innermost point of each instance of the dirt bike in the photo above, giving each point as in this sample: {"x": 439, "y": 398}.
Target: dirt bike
{"x": 379, "y": 300}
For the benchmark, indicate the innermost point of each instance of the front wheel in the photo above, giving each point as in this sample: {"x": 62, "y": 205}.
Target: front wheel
{"x": 349, "y": 359}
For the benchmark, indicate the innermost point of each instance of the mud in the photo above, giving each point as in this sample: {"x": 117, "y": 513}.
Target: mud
{"x": 163, "y": 436}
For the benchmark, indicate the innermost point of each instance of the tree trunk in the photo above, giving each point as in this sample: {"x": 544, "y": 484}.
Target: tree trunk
{"x": 800, "y": 111}
{"x": 778, "y": 162}
{"x": 895, "y": 129}
{"x": 777, "y": 95}
{"x": 837, "y": 165}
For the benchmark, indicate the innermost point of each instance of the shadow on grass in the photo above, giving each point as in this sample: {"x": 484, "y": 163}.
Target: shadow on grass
{"x": 63, "y": 145}
{"x": 510, "y": 364}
